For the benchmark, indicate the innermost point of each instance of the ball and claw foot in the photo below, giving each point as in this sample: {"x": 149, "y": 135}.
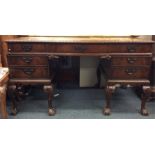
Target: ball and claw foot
{"x": 107, "y": 111}
{"x": 51, "y": 111}
{"x": 14, "y": 111}
{"x": 144, "y": 112}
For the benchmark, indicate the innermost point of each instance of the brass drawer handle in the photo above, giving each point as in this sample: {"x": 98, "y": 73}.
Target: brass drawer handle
{"x": 107, "y": 57}
{"x": 80, "y": 48}
{"x": 26, "y": 47}
{"x": 27, "y": 59}
{"x": 53, "y": 57}
{"x": 131, "y": 60}
{"x": 29, "y": 71}
{"x": 131, "y": 49}
{"x": 130, "y": 71}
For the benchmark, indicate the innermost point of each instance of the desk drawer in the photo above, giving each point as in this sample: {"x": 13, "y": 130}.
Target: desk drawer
{"x": 27, "y": 60}
{"x": 103, "y": 48}
{"x": 29, "y": 72}
{"x": 129, "y": 73}
{"x": 131, "y": 60}
{"x": 26, "y": 47}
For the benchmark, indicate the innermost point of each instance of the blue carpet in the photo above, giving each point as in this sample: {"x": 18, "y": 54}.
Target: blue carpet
{"x": 83, "y": 104}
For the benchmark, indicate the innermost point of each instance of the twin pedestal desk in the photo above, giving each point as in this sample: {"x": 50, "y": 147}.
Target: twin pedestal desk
{"x": 126, "y": 61}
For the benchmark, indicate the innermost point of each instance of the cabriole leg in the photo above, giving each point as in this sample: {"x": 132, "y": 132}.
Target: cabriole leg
{"x": 145, "y": 96}
{"x": 12, "y": 94}
{"x": 49, "y": 90}
{"x": 109, "y": 92}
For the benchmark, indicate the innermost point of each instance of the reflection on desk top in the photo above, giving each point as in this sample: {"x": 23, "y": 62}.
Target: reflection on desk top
{"x": 4, "y": 72}
{"x": 82, "y": 39}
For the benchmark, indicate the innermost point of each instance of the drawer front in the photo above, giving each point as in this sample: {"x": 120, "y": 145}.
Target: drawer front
{"x": 131, "y": 60}
{"x": 129, "y": 73}
{"x": 29, "y": 72}
{"x": 80, "y": 47}
{"x": 26, "y": 47}
{"x": 27, "y": 60}
{"x": 103, "y": 48}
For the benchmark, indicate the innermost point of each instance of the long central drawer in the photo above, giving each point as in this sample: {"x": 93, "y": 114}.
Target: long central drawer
{"x": 79, "y": 47}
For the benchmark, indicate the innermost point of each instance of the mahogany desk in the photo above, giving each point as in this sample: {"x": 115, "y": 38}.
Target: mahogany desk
{"x": 126, "y": 61}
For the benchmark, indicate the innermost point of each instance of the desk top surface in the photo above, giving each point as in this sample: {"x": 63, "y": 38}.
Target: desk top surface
{"x": 81, "y": 39}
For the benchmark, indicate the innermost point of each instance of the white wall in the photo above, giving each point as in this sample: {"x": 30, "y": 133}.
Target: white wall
{"x": 88, "y": 67}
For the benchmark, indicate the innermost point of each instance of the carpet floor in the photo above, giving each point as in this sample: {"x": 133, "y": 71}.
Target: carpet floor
{"x": 83, "y": 104}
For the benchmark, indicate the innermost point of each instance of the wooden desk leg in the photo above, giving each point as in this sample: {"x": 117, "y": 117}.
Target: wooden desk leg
{"x": 12, "y": 94}
{"x": 3, "y": 101}
{"x": 109, "y": 92}
{"x": 152, "y": 93}
{"x": 49, "y": 90}
{"x": 153, "y": 79}
{"x": 145, "y": 96}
